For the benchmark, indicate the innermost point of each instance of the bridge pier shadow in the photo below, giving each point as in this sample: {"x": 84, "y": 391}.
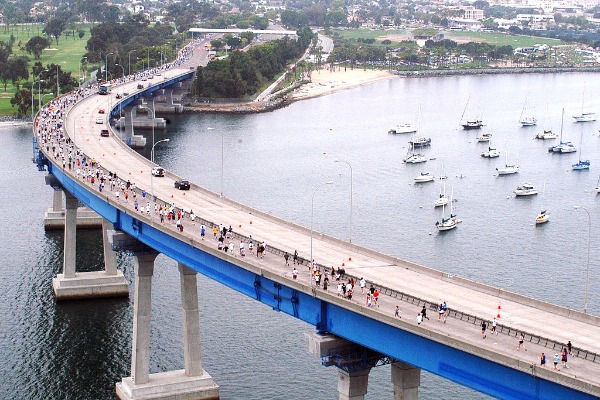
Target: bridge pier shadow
{"x": 192, "y": 382}
{"x": 354, "y": 362}
{"x": 82, "y": 285}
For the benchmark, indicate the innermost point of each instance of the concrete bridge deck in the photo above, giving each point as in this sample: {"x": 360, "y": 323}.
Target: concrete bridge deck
{"x": 519, "y": 312}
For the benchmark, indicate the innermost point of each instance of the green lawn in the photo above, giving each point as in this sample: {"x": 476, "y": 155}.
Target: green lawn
{"x": 502, "y": 39}
{"x": 377, "y": 34}
{"x": 67, "y": 54}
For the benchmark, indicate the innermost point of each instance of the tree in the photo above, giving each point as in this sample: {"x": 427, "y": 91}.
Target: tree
{"x": 55, "y": 27}
{"x": 15, "y": 70}
{"x": 22, "y": 100}
{"x": 36, "y": 45}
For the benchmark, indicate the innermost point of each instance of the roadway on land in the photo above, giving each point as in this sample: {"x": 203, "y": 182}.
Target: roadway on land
{"x": 522, "y": 314}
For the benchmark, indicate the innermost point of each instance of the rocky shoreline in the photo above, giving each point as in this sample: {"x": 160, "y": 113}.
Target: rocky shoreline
{"x": 493, "y": 71}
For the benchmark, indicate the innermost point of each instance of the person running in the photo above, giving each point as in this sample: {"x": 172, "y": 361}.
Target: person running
{"x": 543, "y": 360}
{"x": 202, "y": 231}
{"x": 564, "y": 356}
{"x": 424, "y": 312}
{"x": 556, "y": 362}
{"x": 397, "y": 313}
{"x": 296, "y": 257}
{"x": 570, "y": 348}
{"x": 286, "y": 257}
{"x": 363, "y": 285}
{"x": 493, "y": 329}
{"x": 483, "y": 328}
{"x": 419, "y": 318}
{"x": 521, "y": 342}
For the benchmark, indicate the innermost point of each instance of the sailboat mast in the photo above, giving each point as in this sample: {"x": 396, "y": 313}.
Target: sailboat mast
{"x": 562, "y": 120}
{"x": 464, "y": 111}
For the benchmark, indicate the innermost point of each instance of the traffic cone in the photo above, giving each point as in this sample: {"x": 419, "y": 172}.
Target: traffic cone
{"x": 349, "y": 258}
{"x": 343, "y": 265}
{"x": 250, "y": 222}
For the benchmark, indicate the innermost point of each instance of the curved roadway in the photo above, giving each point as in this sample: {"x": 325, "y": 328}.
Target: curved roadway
{"x": 518, "y": 312}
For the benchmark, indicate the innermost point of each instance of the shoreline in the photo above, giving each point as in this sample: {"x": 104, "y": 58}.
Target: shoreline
{"x": 325, "y": 82}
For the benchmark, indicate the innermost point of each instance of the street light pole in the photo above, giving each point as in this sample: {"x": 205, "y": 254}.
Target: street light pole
{"x": 129, "y": 61}
{"x": 152, "y": 150}
{"x": 122, "y": 69}
{"x": 312, "y": 213}
{"x": 351, "y": 195}
{"x": 80, "y": 74}
{"x": 106, "y": 67}
{"x": 587, "y": 268}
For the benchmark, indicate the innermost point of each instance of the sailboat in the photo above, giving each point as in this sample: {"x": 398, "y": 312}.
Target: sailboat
{"x": 491, "y": 152}
{"x": 527, "y": 119}
{"x": 584, "y": 116}
{"x": 546, "y": 134}
{"x": 508, "y": 169}
{"x": 544, "y": 215}
{"x": 442, "y": 200}
{"x": 598, "y": 186}
{"x": 446, "y": 224}
{"x": 582, "y": 164}
{"x": 412, "y": 157}
{"x": 562, "y": 147}
{"x": 475, "y": 123}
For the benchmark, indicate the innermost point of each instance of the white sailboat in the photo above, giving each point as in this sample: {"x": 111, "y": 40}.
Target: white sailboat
{"x": 585, "y": 116}
{"x": 598, "y": 186}
{"x": 527, "y": 119}
{"x": 442, "y": 200}
{"x": 544, "y": 215}
{"x": 484, "y": 137}
{"x": 546, "y": 134}
{"x": 508, "y": 169}
{"x": 581, "y": 164}
{"x": 413, "y": 157}
{"x": 424, "y": 177}
{"x": 491, "y": 152}
{"x": 447, "y": 223}
{"x": 563, "y": 147}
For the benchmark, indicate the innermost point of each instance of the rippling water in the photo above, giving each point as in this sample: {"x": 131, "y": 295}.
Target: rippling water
{"x": 274, "y": 161}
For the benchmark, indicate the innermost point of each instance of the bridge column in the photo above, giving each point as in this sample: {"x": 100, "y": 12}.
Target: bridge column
{"x": 189, "y": 383}
{"x": 353, "y": 385}
{"x": 57, "y": 205}
{"x": 406, "y": 379}
{"x": 55, "y": 215}
{"x": 96, "y": 284}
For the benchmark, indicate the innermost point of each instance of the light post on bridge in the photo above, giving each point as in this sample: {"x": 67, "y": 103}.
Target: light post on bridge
{"x": 106, "y": 67}
{"x": 122, "y": 69}
{"x": 312, "y": 213}
{"x": 129, "y": 61}
{"x": 39, "y": 81}
{"x": 587, "y": 268}
{"x": 152, "y": 150}
{"x": 222, "y": 157}
{"x": 351, "y": 195}
{"x": 80, "y": 73}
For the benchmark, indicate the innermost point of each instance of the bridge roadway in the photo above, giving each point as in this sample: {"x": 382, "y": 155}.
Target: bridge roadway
{"x": 519, "y": 312}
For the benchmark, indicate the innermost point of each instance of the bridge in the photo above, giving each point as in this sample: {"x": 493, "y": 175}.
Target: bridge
{"x": 349, "y": 335}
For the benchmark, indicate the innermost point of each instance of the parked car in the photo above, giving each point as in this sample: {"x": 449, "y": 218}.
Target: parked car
{"x": 182, "y": 184}
{"x": 99, "y": 120}
{"x": 158, "y": 171}
{"x": 104, "y": 132}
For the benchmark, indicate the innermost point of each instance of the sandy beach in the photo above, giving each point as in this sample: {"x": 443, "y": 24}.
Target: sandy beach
{"x": 324, "y": 82}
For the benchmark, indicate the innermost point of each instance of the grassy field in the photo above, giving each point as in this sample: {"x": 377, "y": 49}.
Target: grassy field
{"x": 67, "y": 54}
{"x": 494, "y": 38}
{"x": 502, "y": 39}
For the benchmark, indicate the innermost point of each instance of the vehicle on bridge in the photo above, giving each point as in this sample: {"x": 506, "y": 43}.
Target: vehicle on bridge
{"x": 182, "y": 184}
{"x": 99, "y": 120}
{"x": 104, "y": 133}
{"x": 158, "y": 171}
{"x": 104, "y": 89}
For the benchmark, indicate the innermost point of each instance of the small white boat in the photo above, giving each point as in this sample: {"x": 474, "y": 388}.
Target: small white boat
{"x": 472, "y": 124}
{"x": 490, "y": 153}
{"x": 424, "y": 177}
{"x": 415, "y": 158}
{"x": 403, "y": 128}
{"x": 420, "y": 141}
{"x": 442, "y": 199}
{"x": 508, "y": 170}
{"x": 528, "y": 121}
{"x": 542, "y": 217}
{"x": 581, "y": 164}
{"x": 526, "y": 189}
{"x": 546, "y": 135}
{"x": 484, "y": 137}
{"x": 598, "y": 186}
{"x": 585, "y": 117}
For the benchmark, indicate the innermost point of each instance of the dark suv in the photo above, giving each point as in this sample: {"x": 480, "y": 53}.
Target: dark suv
{"x": 182, "y": 184}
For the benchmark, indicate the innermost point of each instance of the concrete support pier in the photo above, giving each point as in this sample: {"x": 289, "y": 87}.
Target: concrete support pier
{"x": 406, "y": 379}
{"x": 192, "y": 382}
{"x": 353, "y": 385}
{"x": 55, "y": 216}
{"x": 80, "y": 285}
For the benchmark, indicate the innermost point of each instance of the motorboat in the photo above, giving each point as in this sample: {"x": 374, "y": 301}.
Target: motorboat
{"x": 420, "y": 142}
{"x": 403, "y": 128}
{"x": 542, "y": 217}
{"x": 563, "y": 147}
{"x": 415, "y": 158}
{"x": 490, "y": 153}
{"x": 546, "y": 134}
{"x": 440, "y": 201}
{"x": 484, "y": 137}
{"x": 585, "y": 117}
{"x": 424, "y": 177}
{"x": 526, "y": 189}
